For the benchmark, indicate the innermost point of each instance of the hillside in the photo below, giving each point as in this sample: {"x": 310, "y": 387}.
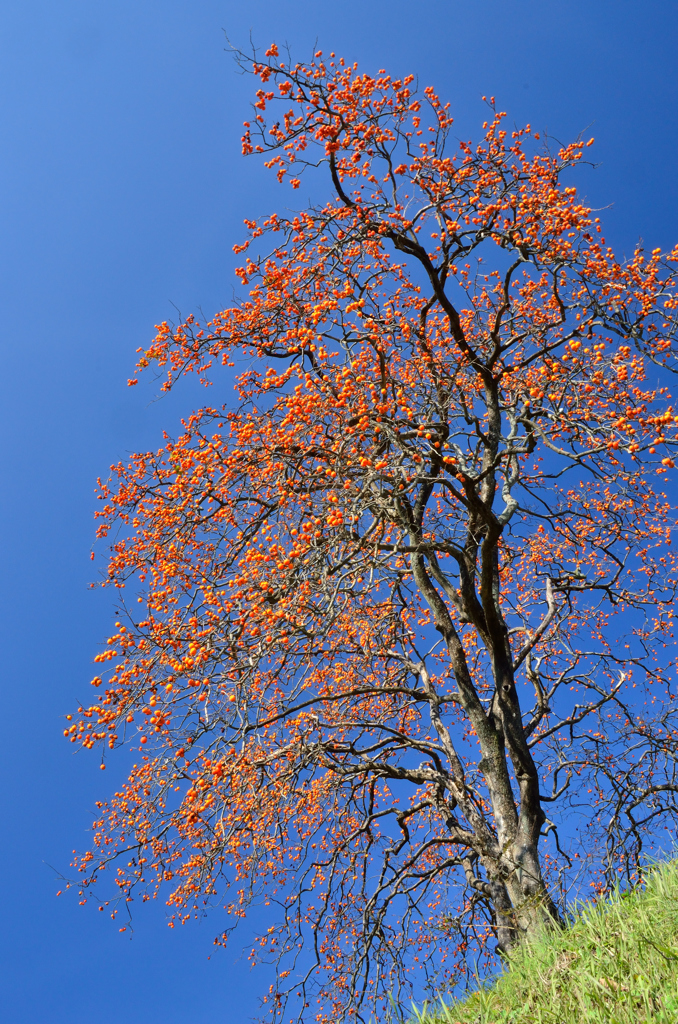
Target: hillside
{"x": 617, "y": 964}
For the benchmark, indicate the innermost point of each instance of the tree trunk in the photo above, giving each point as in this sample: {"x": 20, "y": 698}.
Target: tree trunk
{"x": 523, "y": 907}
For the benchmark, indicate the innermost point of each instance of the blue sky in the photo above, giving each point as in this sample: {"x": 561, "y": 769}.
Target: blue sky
{"x": 122, "y": 191}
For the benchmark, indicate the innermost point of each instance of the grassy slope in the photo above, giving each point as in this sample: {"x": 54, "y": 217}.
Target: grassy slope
{"x": 618, "y": 964}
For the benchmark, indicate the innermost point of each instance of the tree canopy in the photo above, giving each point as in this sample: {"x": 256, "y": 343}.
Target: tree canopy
{"x": 400, "y": 664}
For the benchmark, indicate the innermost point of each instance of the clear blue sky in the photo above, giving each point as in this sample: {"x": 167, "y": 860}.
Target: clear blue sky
{"x": 122, "y": 191}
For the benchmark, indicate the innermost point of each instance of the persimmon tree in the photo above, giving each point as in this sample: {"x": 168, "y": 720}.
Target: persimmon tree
{"x": 400, "y": 663}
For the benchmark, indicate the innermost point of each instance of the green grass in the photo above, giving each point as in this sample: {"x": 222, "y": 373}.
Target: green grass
{"x": 617, "y": 964}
